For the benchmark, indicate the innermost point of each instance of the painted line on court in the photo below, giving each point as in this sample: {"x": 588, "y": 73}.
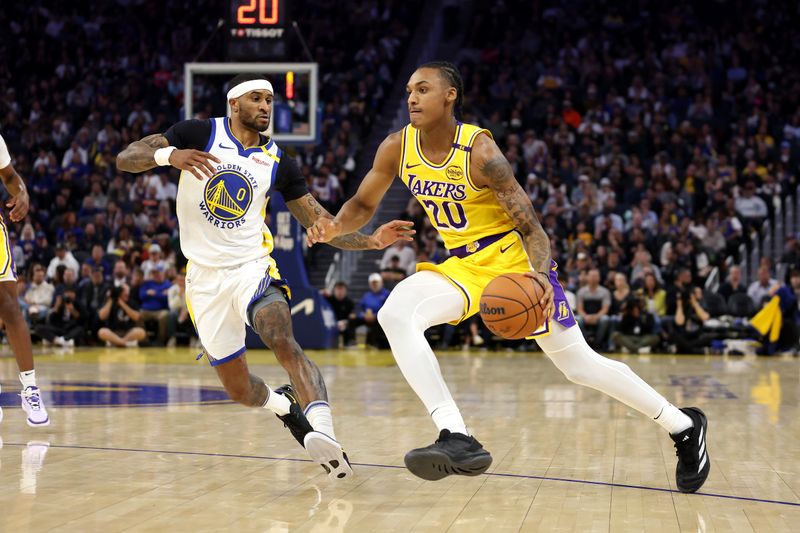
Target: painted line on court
{"x": 378, "y": 465}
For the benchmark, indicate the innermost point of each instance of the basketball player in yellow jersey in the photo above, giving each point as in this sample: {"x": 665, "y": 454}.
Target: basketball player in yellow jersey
{"x": 16, "y": 328}
{"x": 486, "y": 220}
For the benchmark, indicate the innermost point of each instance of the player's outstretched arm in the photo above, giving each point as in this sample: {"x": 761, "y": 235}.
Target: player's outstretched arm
{"x": 358, "y": 210}
{"x": 495, "y": 172}
{"x": 308, "y": 211}
{"x": 142, "y": 155}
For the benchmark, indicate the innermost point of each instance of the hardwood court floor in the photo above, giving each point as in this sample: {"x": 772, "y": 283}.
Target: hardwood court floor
{"x": 143, "y": 440}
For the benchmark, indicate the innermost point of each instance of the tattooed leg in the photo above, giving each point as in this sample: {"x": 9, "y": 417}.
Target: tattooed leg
{"x": 240, "y": 384}
{"x": 273, "y": 323}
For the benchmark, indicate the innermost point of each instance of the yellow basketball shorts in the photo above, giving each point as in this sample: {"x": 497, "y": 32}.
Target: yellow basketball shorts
{"x": 471, "y": 273}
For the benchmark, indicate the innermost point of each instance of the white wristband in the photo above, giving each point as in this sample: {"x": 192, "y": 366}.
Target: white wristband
{"x": 162, "y": 155}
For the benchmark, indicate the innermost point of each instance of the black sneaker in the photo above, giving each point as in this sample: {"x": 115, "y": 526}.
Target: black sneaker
{"x": 690, "y": 445}
{"x": 296, "y": 421}
{"x": 452, "y": 453}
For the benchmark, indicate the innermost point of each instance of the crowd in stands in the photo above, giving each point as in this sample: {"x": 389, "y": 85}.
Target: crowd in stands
{"x": 98, "y": 258}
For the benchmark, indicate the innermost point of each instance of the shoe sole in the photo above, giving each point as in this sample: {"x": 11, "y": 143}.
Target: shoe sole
{"x": 433, "y": 465}
{"x": 329, "y": 454}
{"x": 694, "y": 487}
{"x": 33, "y": 424}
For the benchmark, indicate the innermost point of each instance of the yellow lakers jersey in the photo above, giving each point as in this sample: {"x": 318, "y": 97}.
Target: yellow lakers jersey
{"x": 460, "y": 211}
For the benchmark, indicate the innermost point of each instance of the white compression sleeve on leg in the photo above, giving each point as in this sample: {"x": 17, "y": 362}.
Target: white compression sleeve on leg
{"x": 415, "y": 304}
{"x": 570, "y": 352}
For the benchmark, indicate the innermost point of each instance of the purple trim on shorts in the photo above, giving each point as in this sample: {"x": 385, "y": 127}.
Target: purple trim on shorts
{"x": 480, "y": 244}
{"x": 563, "y": 314}
{"x": 234, "y": 355}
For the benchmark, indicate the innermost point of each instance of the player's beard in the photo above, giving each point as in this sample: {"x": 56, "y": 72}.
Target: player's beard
{"x": 252, "y": 123}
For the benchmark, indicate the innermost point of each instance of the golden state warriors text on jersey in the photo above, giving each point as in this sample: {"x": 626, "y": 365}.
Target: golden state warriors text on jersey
{"x": 222, "y": 217}
{"x": 460, "y": 211}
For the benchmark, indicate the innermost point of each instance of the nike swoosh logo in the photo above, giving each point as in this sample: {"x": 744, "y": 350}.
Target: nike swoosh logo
{"x": 503, "y": 250}
{"x": 226, "y": 147}
{"x": 412, "y": 166}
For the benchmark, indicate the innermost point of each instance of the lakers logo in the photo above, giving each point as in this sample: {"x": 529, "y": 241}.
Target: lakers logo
{"x": 563, "y": 311}
{"x": 454, "y": 172}
{"x": 228, "y": 195}
{"x": 473, "y": 246}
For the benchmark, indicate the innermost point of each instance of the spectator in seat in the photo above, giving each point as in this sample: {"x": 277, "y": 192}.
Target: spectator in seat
{"x": 344, "y": 311}
{"x": 63, "y": 257}
{"x": 155, "y": 302}
{"x": 594, "y": 302}
{"x": 119, "y": 317}
{"x": 688, "y": 334}
{"x": 636, "y": 331}
{"x": 93, "y": 295}
{"x": 98, "y": 260}
{"x": 119, "y": 276}
{"x": 66, "y": 322}
{"x": 655, "y": 298}
{"x": 393, "y": 273}
{"x": 402, "y": 250}
{"x": 154, "y": 261}
{"x": 39, "y": 296}
{"x": 368, "y": 309}
{"x": 750, "y": 206}
{"x": 762, "y": 288}
{"x": 734, "y": 284}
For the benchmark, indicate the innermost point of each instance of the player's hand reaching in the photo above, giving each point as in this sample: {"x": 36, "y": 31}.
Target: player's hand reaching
{"x": 389, "y": 233}
{"x": 194, "y": 161}
{"x": 19, "y": 205}
{"x": 323, "y": 230}
{"x": 543, "y": 279}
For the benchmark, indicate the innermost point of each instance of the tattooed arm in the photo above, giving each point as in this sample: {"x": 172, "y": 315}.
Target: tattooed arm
{"x": 307, "y": 211}
{"x": 19, "y": 201}
{"x": 140, "y": 156}
{"x": 495, "y": 172}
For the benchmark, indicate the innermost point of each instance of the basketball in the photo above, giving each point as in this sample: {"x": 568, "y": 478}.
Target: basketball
{"x": 510, "y": 306}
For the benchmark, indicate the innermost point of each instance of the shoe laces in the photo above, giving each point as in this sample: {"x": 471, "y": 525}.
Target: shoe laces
{"x": 31, "y": 396}
{"x": 684, "y": 449}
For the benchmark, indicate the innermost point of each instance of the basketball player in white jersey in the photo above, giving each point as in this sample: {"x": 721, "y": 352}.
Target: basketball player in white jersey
{"x": 16, "y": 328}
{"x": 460, "y": 176}
{"x": 228, "y": 170}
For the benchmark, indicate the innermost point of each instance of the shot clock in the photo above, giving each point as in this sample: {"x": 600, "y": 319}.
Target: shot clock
{"x": 257, "y": 19}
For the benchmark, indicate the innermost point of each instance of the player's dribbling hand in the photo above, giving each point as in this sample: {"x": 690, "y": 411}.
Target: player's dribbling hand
{"x": 194, "y": 161}
{"x": 323, "y": 230}
{"x": 389, "y": 233}
{"x": 19, "y": 206}
{"x": 543, "y": 279}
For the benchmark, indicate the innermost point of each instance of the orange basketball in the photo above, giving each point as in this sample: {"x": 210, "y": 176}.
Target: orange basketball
{"x": 510, "y": 306}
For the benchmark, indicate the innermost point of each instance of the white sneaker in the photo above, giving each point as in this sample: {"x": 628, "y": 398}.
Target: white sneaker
{"x": 329, "y": 454}
{"x": 32, "y": 405}
{"x": 477, "y": 340}
{"x": 132, "y": 344}
{"x": 109, "y": 345}
{"x": 70, "y": 343}
{"x": 644, "y": 350}
{"x": 61, "y": 341}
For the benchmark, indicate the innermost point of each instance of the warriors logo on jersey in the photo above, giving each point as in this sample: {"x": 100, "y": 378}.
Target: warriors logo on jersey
{"x": 227, "y": 198}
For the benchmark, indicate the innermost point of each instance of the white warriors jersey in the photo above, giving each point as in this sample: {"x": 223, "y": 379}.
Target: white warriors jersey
{"x": 222, "y": 218}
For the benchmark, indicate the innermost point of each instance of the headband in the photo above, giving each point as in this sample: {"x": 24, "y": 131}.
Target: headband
{"x": 246, "y": 86}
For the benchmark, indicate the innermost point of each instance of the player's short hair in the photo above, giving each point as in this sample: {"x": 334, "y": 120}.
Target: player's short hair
{"x": 449, "y": 72}
{"x": 247, "y": 76}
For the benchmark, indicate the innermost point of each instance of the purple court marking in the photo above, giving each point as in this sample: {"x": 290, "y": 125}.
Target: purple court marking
{"x": 376, "y": 465}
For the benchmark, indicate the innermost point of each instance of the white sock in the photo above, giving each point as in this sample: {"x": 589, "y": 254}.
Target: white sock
{"x": 28, "y": 379}
{"x": 673, "y": 419}
{"x": 415, "y": 304}
{"x": 277, "y": 403}
{"x": 320, "y": 417}
{"x": 449, "y": 417}
{"x": 567, "y": 348}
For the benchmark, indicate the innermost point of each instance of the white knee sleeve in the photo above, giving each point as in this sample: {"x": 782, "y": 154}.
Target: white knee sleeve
{"x": 569, "y": 351}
